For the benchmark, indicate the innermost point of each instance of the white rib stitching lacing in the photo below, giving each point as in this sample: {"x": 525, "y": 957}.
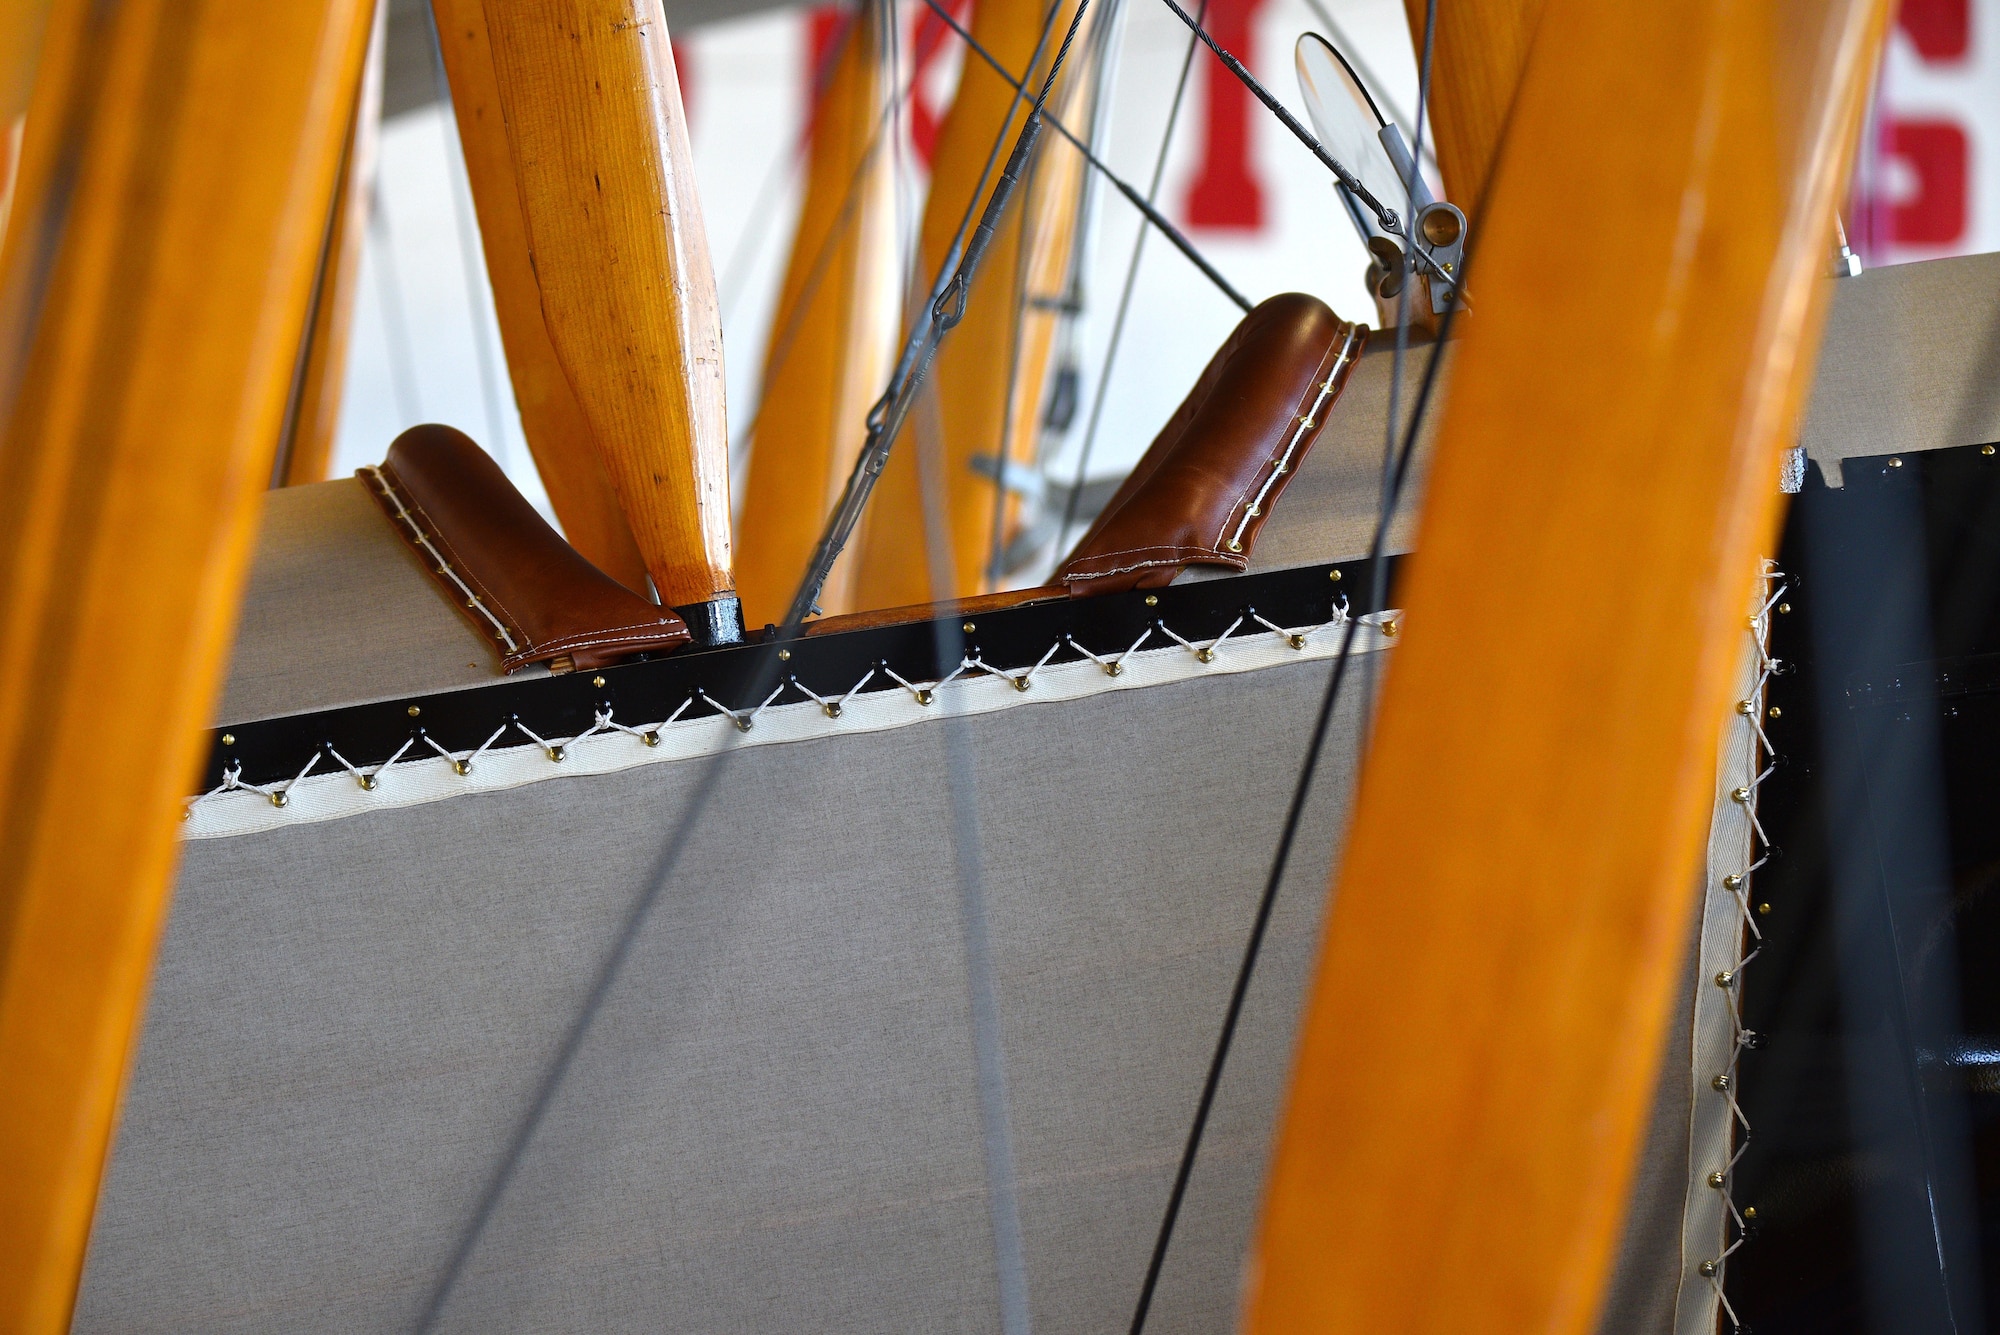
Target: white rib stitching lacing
{"x": 1305, "y": 424}
{"x": 1738, "y": 884}
{"x": 923, "y": 693}
{"x": 417, "y": 535}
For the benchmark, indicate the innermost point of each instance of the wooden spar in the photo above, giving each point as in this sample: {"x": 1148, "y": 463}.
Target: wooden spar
{"x": 20, "y": 48}
{"x": 179, "y": 165}
{"x": 835, "y": 335}
{"x": 314, "y": 419}
{"x": 1476, "y": 63}
{"x": 970, "y": 376}
{"x": 1480, "y": 1049}
{"x": 594, "y": 123}
{"x": 558, "y": 433}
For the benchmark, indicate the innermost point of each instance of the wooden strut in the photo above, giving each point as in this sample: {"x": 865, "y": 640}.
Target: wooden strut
{"x": 179, "y": 165}
{"x": 969, "y": 378}
{"x": 598, "y": 140}
{"x": 1479, "y": 52}
{"x": 835, "y": 334}
{"x": 1481, "y": 1045}
{"x": 559, "y": 434}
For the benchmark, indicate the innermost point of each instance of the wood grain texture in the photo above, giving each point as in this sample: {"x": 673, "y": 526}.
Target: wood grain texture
{"x": 1476, "y": 63}
{"x": 1480, "y": 1049}
{"x": 834, "y": 338}
{"x": 179, "y": 165}
{"x": 559, "y": 435}
{"x": 598, "y": 138}
{"x": 314, "y": 420}
{"x": 971, "y": 373}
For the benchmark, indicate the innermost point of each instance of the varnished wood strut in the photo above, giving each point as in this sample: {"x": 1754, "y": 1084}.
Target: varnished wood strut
{"x": 1506, "y": 934}
{"x": 179, "y": 165}
{"x": 559, "y": 435}
{"x": 1478, "y": 54}
{"x": 598, "y": 139}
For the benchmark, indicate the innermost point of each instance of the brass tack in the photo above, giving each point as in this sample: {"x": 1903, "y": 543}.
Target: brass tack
{"x": 833, "y": 709}
{"x": 1741, "y": 795}
{"x": 187, "y": 813}
{"x": 653, "y": 738}
{"x": 557, "y": 754}
{"x": 1205, "y": 655}
{"x": 1152, "y": 600}
{"x": 1716, "y": 1180}
{"x": 413, "y": 711}
{"x": 1114, "y": 669}
{"x": 1296, "y": 640}
{"x": 1750, "y": 1211}
{"x": 743, "y": 723}
{"x": 598, "y": 681}
{"x": 1391, "y": 628}
{"x": 1725, "y": 978}
{"x": 1986, "y": 450}
{"x": 784, "y": 655}
{"x": 278, "y": 799}
{"x": 462, "y": 766}
{"x": 1333, "y": 575}
{"x": 1708, "y": 1269}
{"x": 1774, "y": 712}
{"x": 1784, "y": 609}
{"x": 1731, "y": 881}
{"x": 1895, "y": 463}
{"x": 925, "y": 697}
{"x": 1765, "y": 907}
{"x": 1022, "y": 683}
{"x": 229, "y": 739}
{"x": 367, "y": 783}
{"x": 1720, "y": 1084}
{"x": 1746, "y": 707}
{"x": 969, "y": 628}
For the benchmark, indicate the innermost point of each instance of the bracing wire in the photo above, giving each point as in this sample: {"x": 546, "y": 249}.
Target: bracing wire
{"x": 1125, "y": 298}
{"x": 1392, "y": 488}
{"x": 955, "y": 269}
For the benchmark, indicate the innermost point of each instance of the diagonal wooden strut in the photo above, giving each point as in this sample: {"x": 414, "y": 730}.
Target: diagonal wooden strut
{"x": 1481, "y": 1045}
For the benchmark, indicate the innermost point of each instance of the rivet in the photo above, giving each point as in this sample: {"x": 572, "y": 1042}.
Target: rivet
{"x": 1022, "y": 683}
{"x": 968, "y": 628}
{"x": 925, "y": 697}
{"x": 557, "y": 754}
{"x": 1205, "y": 655}
{"x": 229, "y": 739}
{"x": 784, "y": 655}
{"x": 1725, "y": 978}
{"x": 1333, "y": 575}
{"x": 1774, "y": 712}
{"x": 1750, "y": 1211}
{"x": 1716, "y": 1180}
{"x": 598, "y": 682}
{"x": 1391, "y": 629}
{"x": 1764, "y": 907}
{"x": 1784, "y": 609}
{"x": 1895, "y": 463}
{"x": 368, "y": 783}
{"x": 1296, "y": 640}
{"x": 1114, "y": 669}
{"x": 1731, "y": 881}
{"x": 1152, "y": 600}
{"x": 1235, "y": 546}
{"x": 1986, "y": 450}
{"x": 413, "y": 711}
{"x": 462, "y": 766}
{"x": 833, "y": 709}
{"x": 278, "y": 799}
{"x": 1746, "y": 707}
{"x": 652, "y": 738}
{"x": 1708, "y": 1269}
{"x": 1741, "y": 795}
{"x": 1720, "y": 1084}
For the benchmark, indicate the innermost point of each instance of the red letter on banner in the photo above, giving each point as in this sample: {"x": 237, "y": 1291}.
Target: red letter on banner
{"x": 1224, "y": 193}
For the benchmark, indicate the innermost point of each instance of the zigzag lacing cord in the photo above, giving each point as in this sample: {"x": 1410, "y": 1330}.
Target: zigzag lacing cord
{"x": 924, "y": 694}
{"x": 1738, "y": 885}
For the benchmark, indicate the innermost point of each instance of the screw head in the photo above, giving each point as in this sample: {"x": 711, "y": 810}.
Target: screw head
{"x": 784, "y": 655}
{"x": 414, "y": 710}
{"x": 1152, "y": 600}
{"x": 1764, "y": 908}
{"x": 598, "y": 681}
{"x": 1333, "y": 575}
{"x": 1716, "y": 1180}
{"x": 1749, "y": 1212}
{"x": 1895, "y": 463}
{"x": 968, "y": 628}
{"x": 1774, "y": 712}
{"x": 1784, "y": 609}
{"x": 229, "y": 739}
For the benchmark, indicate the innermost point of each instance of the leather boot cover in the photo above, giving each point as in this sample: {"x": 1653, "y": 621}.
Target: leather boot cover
{"x": 529, "y": 592}
{"x": 1203, "y": 489}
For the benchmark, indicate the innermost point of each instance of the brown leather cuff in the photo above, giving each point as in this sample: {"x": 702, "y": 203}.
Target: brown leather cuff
{"x": 497, "y": 561}
{"x": 1205, "y": 486}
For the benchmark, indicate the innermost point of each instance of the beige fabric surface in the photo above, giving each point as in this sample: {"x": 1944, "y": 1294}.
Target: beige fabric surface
{"x": 1911, "y": 361}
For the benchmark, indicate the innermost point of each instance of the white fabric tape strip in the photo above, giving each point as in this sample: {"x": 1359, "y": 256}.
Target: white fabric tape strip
{"x": 333, "y": 795}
